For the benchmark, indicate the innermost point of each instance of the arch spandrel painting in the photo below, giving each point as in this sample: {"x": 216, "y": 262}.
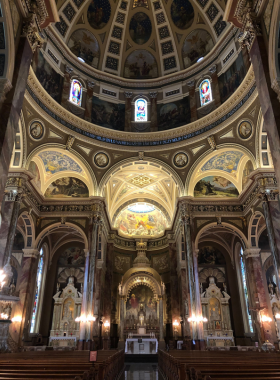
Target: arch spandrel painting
{"x": 215, "y": 187}
{"x": 140, "y": 64}
{"x": 141, "y": 220}
{"x": 226, "y": 161}
{"x": 209, "y": 255}
{"x": 196, "y": 45}
{"x": 73, "y": 256}
{"x": 83, "y": 44}
{"x": 141, "y": 298}
{"x": 67, "y": 187}
{"x": 56, "y": 162}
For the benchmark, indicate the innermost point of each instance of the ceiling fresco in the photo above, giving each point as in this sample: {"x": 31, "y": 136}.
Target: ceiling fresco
{"x": 226, "y": 161}
{"x": 57, "y": 162}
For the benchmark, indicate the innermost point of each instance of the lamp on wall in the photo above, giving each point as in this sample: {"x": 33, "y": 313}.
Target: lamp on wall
{"x": 175, "y": 324}
{"x": 84, "y": 318}
{"x": 197, "y": 319}
{"x": 106, "y": 325}
{"x": 265, "y": 318}
{"x": 17, "y": 319}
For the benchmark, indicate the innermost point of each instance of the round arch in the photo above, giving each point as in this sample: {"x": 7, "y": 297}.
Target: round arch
{"x": 29, "y": 237}
{"x": 253, "y": 236}
{"x": 145, "y": 278}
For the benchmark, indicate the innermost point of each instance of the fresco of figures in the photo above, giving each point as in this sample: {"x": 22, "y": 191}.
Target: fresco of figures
{"x": 73, "y": 256}
{"x": 215, "y": 186}
{"x": 227, "y": 161}
{"x": 107, "y": 114}
{"x": 196, "y": 45}
{"x": 248, "y": 169}
{"x": 67, "y": 187}
{"x": 140, "y": 28}
{"x": 140, "y": 64}
{"x": 98, "y": 14}
{"x": 83, "y": 44}
{"x": 210, "y": 255}
{"x": 141, "y": 295}
{"x": 33, "y": 168}
{"x": 173, "y": 115}
{"x": 182, "y": 13}
{"x": 231, "y": 79}
{"x": 57, "y": 162}
{"x": 47, "y": 76}
{"x": 148, "y": 224}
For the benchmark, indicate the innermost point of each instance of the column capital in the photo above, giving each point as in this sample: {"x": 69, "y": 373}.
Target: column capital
{"x": 213, "y": 69}
{"x": 90, "y": 85}
{"x": 68, "y": 70}
{"x": 128, "y": 94}
{"x": 191, "y": 83}
{"x": 31, "y": 252}
{"x": 252, "y": 252}
{"x": 153, "y": 95}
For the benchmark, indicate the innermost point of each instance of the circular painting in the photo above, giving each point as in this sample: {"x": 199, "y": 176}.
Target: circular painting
{"x": 245, "y": 130}
{"x": 140, "y": 28}
{"x": 182, "y": 13}
{"x": 101, "y": 160}
{"x": 180, "y": 160}
{"x": 36, "y": 130}
{"x": 98, "y": 13}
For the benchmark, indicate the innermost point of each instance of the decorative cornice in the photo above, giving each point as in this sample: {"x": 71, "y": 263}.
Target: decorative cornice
{"x": 252, "y": 252}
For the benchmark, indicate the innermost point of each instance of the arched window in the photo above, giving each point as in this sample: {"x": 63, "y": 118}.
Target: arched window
{"x": 141, "y": 110}
{"x": 205, "y": 92}
{"x": 244, "y": 281}
{"x": 76, "y": 92}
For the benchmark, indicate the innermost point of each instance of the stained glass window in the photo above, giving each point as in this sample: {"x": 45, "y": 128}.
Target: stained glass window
{"x": 37, "y": 294}
{"x": 141, "y": 110}
{"x": 205, "y": 92}
{"x": 76, "y": 92}
{"x": 243, "y": 275}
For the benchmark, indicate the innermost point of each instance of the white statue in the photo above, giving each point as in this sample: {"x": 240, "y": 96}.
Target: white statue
{"x": 163, "y": 287}
{"x": 120, "y": 288}
{"x": 225, "y": 287}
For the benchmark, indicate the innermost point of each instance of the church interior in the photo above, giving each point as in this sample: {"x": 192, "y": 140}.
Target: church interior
{"x": 140, "y": 215}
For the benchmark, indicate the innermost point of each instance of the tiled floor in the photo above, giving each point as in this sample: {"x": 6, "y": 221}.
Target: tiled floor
{"x": 141, "y": 371}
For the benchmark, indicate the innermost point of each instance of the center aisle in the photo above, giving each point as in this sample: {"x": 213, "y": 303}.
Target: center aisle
{"x": 141, "y": 371}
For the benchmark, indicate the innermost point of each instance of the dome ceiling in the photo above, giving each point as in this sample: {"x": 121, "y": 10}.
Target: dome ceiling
{"x": 140, "y": 39}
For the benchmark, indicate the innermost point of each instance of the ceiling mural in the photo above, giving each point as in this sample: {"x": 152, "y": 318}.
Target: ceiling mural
{"x": 141, "y": 219}
{"x": 196, "y": 45}
{"x": 215, "y": 186}
{"x": 84, "y": 45}
{"x": 173, "y": 115}
{"x": 182, "y": 13}
{"x": 226, "y": 161}
{"x": 98, "y": 13}
{"x": 33, "y": 168}
{"x": 140, "y": 28}
{"x": 55, "y": 162}
{"x": 67, "y": 187}
{"x": 140, "y": 3}
{"x": 248, "y": 169}
{"x": 140, "y": 64}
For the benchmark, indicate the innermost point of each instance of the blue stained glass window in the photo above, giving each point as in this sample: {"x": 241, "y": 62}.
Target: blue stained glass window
{"x": 37, "y": 294}
{"x": 141, "y": 110}
{"x": 205, "y": 92}
{"x": 76, "y": 92}
{"x": 243, "y": 275}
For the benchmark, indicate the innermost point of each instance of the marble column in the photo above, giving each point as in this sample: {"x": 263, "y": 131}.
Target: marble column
{"x": 128, "y": 111}
{"x": 107, "y": 293}
{"x": 83, "y": 325}
{"x": 26, "y": 287}
{"x": 268, "y": 99}
{"x": 88, "y": 103}
{"x": 193, "y": 103}
{"x": 174, "y": 288}
{"x": 198, "y": 307}
{"x": 153, "y": 118}
{"x": 184, "y": 306}
{"x": 161, "y": 339}
{"x": 257, "y": 296}
{"x": 11, "y": 109}
{"x": 215, "y": 86}
{"x": 121, "y": 337}
{"x": 66, "y": 86}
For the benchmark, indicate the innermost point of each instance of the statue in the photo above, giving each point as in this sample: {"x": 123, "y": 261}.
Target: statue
{"x": 120, "y": 288}
{"x": 271, "y": 288}
{"x": 225, "y": 287}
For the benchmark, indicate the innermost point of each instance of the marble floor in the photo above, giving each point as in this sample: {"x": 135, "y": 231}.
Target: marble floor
{"x": 141, "y": 371}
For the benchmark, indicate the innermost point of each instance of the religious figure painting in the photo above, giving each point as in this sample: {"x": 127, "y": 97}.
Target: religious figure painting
{"x": 140, "y": 28}
{"x": 150, "y": 223}
{"x": 98, "y": 13}
{"x": 57, "y": 162}
{"x": 245, "y": 130}
{"x": 33, "y": 168}
{"x": 210, "y": 255}
{"x": 36, "y": 130}
{"x": 231, "y": 79}
{"x": 67, "y": 187}
{"x": 246, "y": 171}
{"x": 140, "y": 64}
{"x": 141, "y": 298}
{"x": 215, "y": 187}
{"x": 73, "y": 256}
{"x": 84, "y": 45}
{"x": 196, "y": 45}
{"x": 50, "y": 80}
{"x": 107, "y": 114}
{"x": 173, "y": 115}
{"x": 226, "y": 161}
{"x": 182, "y": 13}
{"x": 180, "y": 160}
{"x": 101, "y": 160}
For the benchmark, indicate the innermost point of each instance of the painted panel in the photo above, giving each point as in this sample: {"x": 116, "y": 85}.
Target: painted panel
{"x": 55, "y": 162}
{"x": 182, "y": 13}
{"x": 210, "y": 255}
{"x": 215, "y": 187}
{"x": 139, "y": 298}
{"x": 83, "y": 44}
{"x": 196, "y": 45}
{"x": 98, "y": 13}
{"x": 140, "y": 28}
{"x": 246, "y": 171}
{"x": 226, "y": 161}
{"x": 140, "y": 64}
{"x": 173, "y": 115}
{"x": 107, "y": 114}
{"x": 67, "y": 187}
{"x": 33, "y": 168}
{"x": 73, "y": 256}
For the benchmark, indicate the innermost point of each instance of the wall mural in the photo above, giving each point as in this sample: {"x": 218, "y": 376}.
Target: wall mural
{"x": 196, "y": 45}
{"x": 47, "y": 76}
{"x": 231, "y": 79}
{"x": 227, "y": 161}
{"x": 33, "y": 168}
{"x": 210, "y": 255}
{"x": 140, "y": 28}
{"x": 215, "y": 186}
{"x": 107, "y": 114}
{"x": 98, "y": 13}
{"x": 140, "y": 64}
{"x": 83, "y": 44}
{"x": 72, "y": 256}
{"x": 141, "y": 296}
{"x": 57, "y": 162}
{"x": 67, "y": 187}
{"x": 141, "y": 220}
{"x": 173, "y": 115}
{"x": 182, "y": 13}
{"x": 246, "y": 171}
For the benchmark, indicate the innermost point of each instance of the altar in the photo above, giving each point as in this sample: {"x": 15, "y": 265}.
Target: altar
{"x": 141, "y": 346}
